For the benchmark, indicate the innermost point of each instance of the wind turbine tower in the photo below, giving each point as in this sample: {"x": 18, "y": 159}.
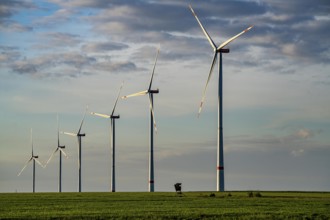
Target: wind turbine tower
{"x": 59, "y": 148}
{"x": 79, "y": 135}
{"x": 113, "y": 118}
{"x": 33, "y": 158}
{"x": 217, "y": 50}
{"x": 153, "y": 127}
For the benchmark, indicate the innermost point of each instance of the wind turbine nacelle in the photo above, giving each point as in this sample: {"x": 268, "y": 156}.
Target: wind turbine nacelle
{"x": 154, "y": 91}
{"x": 81, "y": 135}
{"x": 115, "y": 116}
{"x": 35, "y": 156}
{"x": 224, "y": 50}
{"x": 61, "y": 147}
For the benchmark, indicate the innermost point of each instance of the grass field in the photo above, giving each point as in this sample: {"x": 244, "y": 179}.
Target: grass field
{"x": 190, "y": 205}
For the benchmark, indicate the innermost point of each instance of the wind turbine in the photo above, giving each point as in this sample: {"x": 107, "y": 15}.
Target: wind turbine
{"x": 217, "y": 50}
{"x": 33, "y": 158}
{"x": 79, "y": 135}
{"x": 112, "y": 137}
{"x": 153, "y": 126}
{"x": 59, "y": 148}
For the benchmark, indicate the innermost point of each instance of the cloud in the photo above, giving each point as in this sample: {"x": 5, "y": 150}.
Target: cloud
{"x": 8, "y": 8}
{"x": 65, "y": 64}
{"x": 8, "y": 54}
{"x": 62, "y": 15}
{"x": 10, "y": 26}
{"x": 96, "y": 47}
{"x": 24, "y": 67}
{"x": 38, "y": 65}
{"x": 302, "y": 138}
{"x": 297, "y": 153}
{"x": 116, "y": 67}
{"x": 304, "y": 133}
{"x": 294, "y": 34}
{"x": 280, "y": 31}
{"x": 82, "y": 3}
{"x": 58, "y": 39}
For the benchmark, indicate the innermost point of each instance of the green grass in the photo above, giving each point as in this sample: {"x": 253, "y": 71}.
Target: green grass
{"x": 190, "y": 205}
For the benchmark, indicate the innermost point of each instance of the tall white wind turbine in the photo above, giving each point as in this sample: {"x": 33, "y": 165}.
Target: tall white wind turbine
{"x": 60, "y": 149}
{"x": 79, "y": 135}
{"x": 153, "y": 126}
{"x": 112, "y": 118}
{"x": 217, "y": 50}
{"x": 33, "y": 158}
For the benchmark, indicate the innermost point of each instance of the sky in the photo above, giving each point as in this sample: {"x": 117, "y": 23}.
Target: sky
{"x": 58, "y": 56}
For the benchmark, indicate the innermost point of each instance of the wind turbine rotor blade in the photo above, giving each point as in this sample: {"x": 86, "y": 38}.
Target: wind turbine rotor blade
{"x": 71, "y": 134}
{"x": 153, "y": 114}
{"x": 203, "y": 29}
{"x": 100, "y": 115}
{"x": 207, "y": 82}
{"x": 32, "y": 141}
{"x": 36, "y": 160}
{"x": 51, "y": 156}
{"x": 66, "y": 156}
{"x": 58, "y": 132}
{"x": 114, "y": 107}
{"x": 153, "y": 70}
{"x": 25, "y": 165}
{"x": 135, "y": 94}
{"x": 233, "y": 38}
{"x": 82, "y": 121}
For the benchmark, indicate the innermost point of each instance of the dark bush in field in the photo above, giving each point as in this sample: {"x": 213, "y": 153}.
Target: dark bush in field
{"x": 257, "y": 194}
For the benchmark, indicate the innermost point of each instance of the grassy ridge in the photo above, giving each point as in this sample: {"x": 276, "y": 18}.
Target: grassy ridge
{"x": 191, "y": 205}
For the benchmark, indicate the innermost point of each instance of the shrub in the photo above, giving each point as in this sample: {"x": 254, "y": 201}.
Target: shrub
{"x": 257, "y": 194}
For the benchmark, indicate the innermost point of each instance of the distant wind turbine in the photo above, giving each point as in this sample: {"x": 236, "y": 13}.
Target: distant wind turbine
{"x": 112, "y": 136}
{"x": 33, "y": 158}
{"x": 79, "y": 135}
{"x": 59, "y": 148}
{"x": 153, "y": 126}
{"x": 217, "y": 50}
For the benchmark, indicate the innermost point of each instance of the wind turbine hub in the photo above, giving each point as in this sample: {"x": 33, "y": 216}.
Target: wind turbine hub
{"x": 223, "y": 50}
{"x": 154, "y": 91}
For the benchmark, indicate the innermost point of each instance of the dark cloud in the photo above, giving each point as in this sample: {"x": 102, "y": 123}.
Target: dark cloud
{"x": 24, "y": 67}
{"x": 320, "y": 7}
{"x": 10, "y": 7}
{"x": 281, "y": 30}
{"x": 83, "y": 3}
{"x": 279, "y": 27}
{"x": 69, "y": 64}
{"x": 142, "y": 16}
{"x": 294, "y": 34}
{"x": 42, "y": 64}
{"x": 8, "y": 54}
{"x": 11, "y": 26}
{"x": 116, "y": 67}
{"x": 7, "y": 9}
